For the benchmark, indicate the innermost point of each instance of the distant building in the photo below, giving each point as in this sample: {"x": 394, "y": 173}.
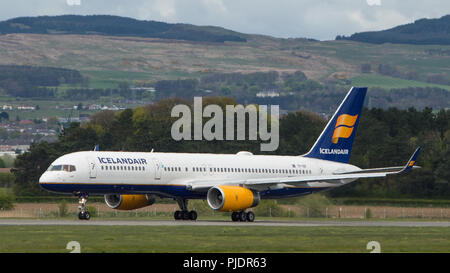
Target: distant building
{"x": 268, "y": 94}
{"x": 95, "y": 107}
{"x": 65, "y": 120}
{"x": 149, "y": 89}
{"x": 25, "y": 122}
{"x": 25, "y": 107}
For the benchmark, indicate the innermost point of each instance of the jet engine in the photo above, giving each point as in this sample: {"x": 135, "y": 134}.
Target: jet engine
{"x": 232, "y": 198}
{"x": 128, "y": 201}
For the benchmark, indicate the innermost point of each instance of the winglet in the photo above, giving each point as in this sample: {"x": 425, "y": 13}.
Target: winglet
{"x": 411, "y": 161}
{"x": 97, "y": 148}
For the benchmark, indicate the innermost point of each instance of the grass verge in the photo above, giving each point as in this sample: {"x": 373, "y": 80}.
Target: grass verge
{"x": 222, "y": 239}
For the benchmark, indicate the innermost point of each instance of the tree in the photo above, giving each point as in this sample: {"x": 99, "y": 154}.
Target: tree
{"x": 4, "y": 116}
{"x": 366, "y": 68}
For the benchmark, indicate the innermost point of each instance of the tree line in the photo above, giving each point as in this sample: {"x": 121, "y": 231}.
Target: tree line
{"x": 421, "y": 32}
{"x": 296, "y": 91}
{"x": 117, "y": 26}
{"x": 36, "y": 81}
{"x": 384, "y": 138}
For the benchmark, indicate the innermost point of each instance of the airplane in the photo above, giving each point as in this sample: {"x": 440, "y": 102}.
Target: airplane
{"x": 229, "y": 182}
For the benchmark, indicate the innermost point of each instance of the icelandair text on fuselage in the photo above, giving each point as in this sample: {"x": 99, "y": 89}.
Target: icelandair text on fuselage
{"x": 334, "y": 151}
{"x": 117, "y": 160}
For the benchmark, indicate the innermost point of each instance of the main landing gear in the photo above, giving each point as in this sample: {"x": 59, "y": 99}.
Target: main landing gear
{"x": 184, "y": 214}
{"x": 83, "y": 214}
{"x": 243, "y": 216}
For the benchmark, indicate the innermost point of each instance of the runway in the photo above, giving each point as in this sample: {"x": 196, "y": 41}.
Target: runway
{"x": 20, "y": 222}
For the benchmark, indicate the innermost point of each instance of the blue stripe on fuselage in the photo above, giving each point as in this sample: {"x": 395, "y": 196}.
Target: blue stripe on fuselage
{"x": 171, "y": 191}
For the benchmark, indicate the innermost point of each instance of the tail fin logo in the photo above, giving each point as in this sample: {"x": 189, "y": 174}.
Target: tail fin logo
{"x": 344, "y": 127}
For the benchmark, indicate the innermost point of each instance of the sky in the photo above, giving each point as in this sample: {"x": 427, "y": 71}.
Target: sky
{"x": 317, "y": 19}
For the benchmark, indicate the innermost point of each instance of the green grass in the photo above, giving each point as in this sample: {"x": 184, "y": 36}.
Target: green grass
{"x": 386, "y": 82}
{"x": 222, "y": 239}
{"x": 109, "y": 79}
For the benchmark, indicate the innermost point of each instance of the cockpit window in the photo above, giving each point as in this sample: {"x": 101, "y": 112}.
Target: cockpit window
{"x": 56, "y": 168}
{"x": 66, "y": 168}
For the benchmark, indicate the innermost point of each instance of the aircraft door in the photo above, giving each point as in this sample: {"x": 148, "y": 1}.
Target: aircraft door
{"x": 92, "y": 169}
{"x": 205, "y": 166}
{"x": 158, "y": 168}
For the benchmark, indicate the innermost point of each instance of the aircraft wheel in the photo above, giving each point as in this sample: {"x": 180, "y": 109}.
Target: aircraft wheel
{"x": 235, "y": 216}
{"x": 250, "y": 216}
{"x": 177, "y": 215}
{"x": 242, "y": 216}
{"x": 84, "y": 215}
{"x": 185, "y": 215}
{"x": 81, "y": 215}
{"x": 193, "y": 215}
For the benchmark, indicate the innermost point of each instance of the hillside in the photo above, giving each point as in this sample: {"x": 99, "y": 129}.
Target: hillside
{"x": 116, "y": 26}
{"x": 418, "y": 72}
{"x": 421, "y": 32}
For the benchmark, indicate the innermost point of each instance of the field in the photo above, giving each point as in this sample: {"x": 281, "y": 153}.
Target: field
{"x": 108, "y": 60}
{"x": 223, "y": 238}
{"x": 159, "y": 239}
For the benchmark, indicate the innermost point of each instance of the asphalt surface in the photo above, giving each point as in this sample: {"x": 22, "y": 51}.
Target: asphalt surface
{"x": 20, "y": 222}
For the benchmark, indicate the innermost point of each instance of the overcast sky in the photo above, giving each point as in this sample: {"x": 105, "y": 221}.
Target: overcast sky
{"x": 318, "y": 19}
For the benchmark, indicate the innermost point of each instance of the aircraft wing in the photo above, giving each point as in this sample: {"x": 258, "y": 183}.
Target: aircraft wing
{"x": 302, "y": 180}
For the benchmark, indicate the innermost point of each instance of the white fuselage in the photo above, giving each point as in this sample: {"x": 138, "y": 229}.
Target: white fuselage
{"x": 174, "y": 174}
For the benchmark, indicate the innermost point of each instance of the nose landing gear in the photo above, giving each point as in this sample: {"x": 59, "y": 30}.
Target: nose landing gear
{"x": 83, "y": 214}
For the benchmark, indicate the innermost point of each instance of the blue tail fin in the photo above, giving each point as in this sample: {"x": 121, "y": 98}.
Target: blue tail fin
{"x": 336, "y": 141}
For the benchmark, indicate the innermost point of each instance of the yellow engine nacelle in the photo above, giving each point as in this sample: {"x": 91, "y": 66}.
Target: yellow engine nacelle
{"x": 232, "y": 198}
{"x": 128, "y": 201}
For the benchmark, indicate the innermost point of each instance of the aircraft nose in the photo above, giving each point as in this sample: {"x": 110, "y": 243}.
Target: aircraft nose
{"x": 44, "y": 178}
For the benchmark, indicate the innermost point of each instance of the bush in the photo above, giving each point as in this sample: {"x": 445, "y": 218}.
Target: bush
{"x": 62, "y": 208}
{"x": 200, "y": 206}
{"x": 368, "y": 214}
{"x": 269, "y": 208}
{"x": 6, "y": 180}
{"x": 92, "y": 210}
{"x": 6, "y": 199}
{"x": 314, "y": 205}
